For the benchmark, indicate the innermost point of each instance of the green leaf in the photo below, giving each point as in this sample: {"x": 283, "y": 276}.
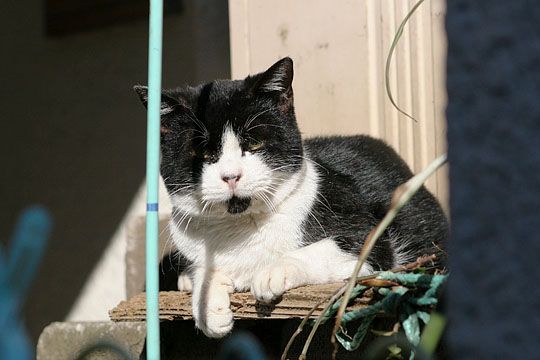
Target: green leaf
{"x": 432, "y": 333}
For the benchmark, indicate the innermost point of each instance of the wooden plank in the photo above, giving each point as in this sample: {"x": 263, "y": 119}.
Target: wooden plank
{"x": 295, "y": 303}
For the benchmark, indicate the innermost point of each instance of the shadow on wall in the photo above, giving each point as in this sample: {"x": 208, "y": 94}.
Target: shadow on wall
{"x": 74, "y": 132}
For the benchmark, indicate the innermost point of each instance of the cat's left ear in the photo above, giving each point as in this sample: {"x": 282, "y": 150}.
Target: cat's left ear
{"x": 168, "y": 103}
{"x": 277, "y": 79}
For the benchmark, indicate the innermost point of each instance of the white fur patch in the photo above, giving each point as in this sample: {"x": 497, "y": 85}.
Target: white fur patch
{"x": 184, "y": 283}
{"x": 211, "y": 303}
{"x": 319, "y": 263}
{"x": 255, "y": 177}
{"x": 261, "y": 249}
{"x": 241, "y": 244}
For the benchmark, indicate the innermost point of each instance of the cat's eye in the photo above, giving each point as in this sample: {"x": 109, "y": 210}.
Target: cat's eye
{"x": 209, "y": 157}
{"x": 256, "y": 146}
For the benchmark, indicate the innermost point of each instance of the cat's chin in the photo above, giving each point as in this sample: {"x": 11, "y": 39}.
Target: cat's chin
{"x": 237, "y": 205}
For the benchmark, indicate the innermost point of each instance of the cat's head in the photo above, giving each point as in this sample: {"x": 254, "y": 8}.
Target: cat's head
{"x": 230, "y": 146}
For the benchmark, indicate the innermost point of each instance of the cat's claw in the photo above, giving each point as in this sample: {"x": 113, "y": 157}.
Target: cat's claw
{"x": 272, "y": 282}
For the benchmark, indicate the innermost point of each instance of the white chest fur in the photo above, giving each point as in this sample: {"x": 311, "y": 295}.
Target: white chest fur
{"x": 241, "y": 245}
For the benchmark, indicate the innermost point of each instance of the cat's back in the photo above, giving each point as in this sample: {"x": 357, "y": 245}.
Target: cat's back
{"x": 357, "y": 177}
{"x": 369, "y": 161}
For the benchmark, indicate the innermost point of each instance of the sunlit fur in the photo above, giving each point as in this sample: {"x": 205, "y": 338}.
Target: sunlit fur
{"x": 257, "y": 208}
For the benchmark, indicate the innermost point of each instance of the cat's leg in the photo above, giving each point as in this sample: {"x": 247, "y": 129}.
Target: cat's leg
{"x": 211, "y": 303}
{"x": 319, "y": 263}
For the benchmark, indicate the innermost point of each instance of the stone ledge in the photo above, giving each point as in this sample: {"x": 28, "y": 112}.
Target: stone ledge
{"x": 64, "y": 341}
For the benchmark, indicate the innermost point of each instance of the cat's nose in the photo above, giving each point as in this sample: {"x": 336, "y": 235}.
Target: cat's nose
{"x": 231, "y": 180}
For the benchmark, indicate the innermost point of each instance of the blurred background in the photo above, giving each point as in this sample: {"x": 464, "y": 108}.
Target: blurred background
{"x": 74, "y": 133}
{"x": 73, "y": 130}
{"x": 74, "y": 140}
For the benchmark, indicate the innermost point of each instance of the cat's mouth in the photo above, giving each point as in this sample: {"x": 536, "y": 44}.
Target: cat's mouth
{"x": 237, "y": 205}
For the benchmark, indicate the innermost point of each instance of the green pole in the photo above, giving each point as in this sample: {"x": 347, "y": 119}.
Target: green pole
{"x": 152, "y": 178}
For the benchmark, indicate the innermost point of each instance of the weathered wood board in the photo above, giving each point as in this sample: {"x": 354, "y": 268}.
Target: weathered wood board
{"x": 295, "y": 303}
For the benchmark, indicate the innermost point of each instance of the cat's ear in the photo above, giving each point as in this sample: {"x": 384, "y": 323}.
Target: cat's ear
{"x": 277, "y": 79}
{"x": 168, "y": 104}
{"x": 169, "y": 107}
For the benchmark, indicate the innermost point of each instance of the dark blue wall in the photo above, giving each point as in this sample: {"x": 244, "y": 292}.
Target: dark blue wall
{"x": 494, "y": 153}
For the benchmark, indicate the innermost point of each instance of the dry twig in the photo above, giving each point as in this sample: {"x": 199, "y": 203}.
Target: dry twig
{"x": 304, "y": 321}
{"x": 318, "y": 322}
{"x": 332, "y": 299}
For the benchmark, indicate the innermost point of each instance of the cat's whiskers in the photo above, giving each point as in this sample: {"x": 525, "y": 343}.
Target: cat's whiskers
{"x": 206, "y": 211}
{"x": 327, "y": 205}
{"x": 183, "y": 217}
{"x": 187, "y": 225}
{"x": 202, "y": 130}
{"x": 265, "y": 124}
{"x": 168, "y": 226}
{"x": 211, "y": 207}
{"x": 176, "y": 191}
{"x": 271, "y": 190}
{"x": 170, "y": 236}
{"x": 191, "y": 129}
{"x": 312, "y": 213}
{"x": 253, "y": 118}
{"x": 181, "y": 184}
{"x": 206, "y": 203}
{"x": 267, "y": 201}
{"x": 167, "y": 242}
{"x": 283, "y": 167}
{"x": 272, "y": 187}
{"x": 311, "y": 161}
{"x": 197, "y": 122}
{"x": 319, "y": 194}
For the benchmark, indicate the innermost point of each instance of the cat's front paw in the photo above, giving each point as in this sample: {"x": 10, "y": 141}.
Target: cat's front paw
{"x": 213, "y": 314}
{"x": 273, "y": 281}
{"x": 218, "y": 322}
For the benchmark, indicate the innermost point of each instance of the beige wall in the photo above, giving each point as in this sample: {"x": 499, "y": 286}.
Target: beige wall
{"x": 340, "y": 49}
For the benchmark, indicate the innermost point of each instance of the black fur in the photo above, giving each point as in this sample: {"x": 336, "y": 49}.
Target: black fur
{"x": 358, "y": 173}
{"x": 358, "y": 177}
{"x": 238, "y": 205}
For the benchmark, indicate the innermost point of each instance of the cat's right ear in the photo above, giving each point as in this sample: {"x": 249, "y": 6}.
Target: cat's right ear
{"x": 168, "y": 104}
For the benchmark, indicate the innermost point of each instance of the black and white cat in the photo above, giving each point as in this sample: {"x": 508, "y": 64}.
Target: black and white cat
{"x": 256, "y": 208}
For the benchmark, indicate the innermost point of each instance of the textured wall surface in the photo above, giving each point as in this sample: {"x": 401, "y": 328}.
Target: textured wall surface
{"x": 339, "y": 50}
{"x": 494, "y": 141}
